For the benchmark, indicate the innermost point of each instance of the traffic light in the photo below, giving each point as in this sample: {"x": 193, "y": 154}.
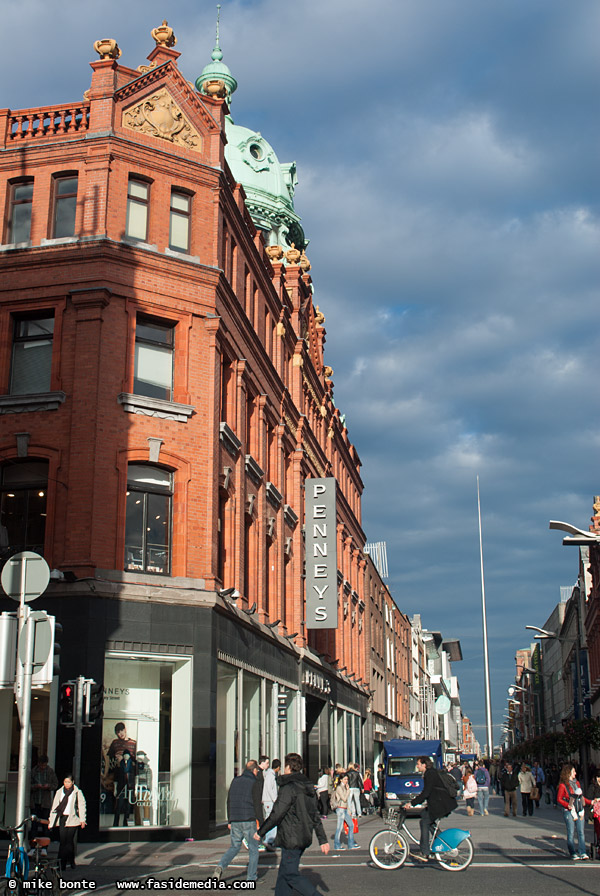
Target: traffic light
{"x": 56, "y": 653}
{"x": 281, "y": 707}
{"x": 67, "y": 704}
{"x": 93, "y": 701}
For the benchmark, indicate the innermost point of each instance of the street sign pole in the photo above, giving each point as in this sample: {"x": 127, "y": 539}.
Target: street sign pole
{"x": 24, "y": 577}
{"x": 27, "y": 631}
{"x": 79, "y": 687}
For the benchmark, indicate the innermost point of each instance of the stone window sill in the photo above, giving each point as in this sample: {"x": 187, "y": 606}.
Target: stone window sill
{"x": 35, "y": 401}
{"x": 155, "y": 407}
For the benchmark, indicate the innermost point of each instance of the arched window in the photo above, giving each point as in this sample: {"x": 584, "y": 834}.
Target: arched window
{"x": 23, "y": 493}
{"x": 148, "y": 519}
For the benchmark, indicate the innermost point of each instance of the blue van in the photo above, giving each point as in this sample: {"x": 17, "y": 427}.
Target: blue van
{"x": 402, "y": 780}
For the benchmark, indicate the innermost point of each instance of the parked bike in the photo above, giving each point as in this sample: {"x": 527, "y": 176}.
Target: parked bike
{"x": 390, "y": 848}
{"x": 21, "y": 869}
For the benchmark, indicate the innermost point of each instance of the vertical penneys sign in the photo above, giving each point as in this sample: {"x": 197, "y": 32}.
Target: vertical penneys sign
{"x": 321, "y": 554}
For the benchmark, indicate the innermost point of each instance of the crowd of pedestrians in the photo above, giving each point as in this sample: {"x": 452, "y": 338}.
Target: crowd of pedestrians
{"x": 557, "y": 787}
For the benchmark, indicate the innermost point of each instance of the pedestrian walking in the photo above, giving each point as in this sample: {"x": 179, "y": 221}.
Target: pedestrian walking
{"x": 526, "y": 786}
{"x": 381, "y": 787}
{"x": 68, "y": 810}
{"x": 44, "y": 784}
{"x": 572, "y": 801}
{"x": 322, "y": 788}
{"x": 341, "y": 797}
{"x": 509, "y": 781}
{"x": 593, "y": 794}
{"x": 269, "y": 795}
{"x": 296, "y": 815}
{"x": 540, "y": 779}
{"x": 482, "y": 779}
{"x": 355, "y": 783}
{"x": 470, "y": 789}
{"x": 242, "y": 814}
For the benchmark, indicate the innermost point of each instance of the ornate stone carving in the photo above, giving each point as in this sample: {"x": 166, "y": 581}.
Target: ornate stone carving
{"x": 274, "y": 252}
{"x": 293, "y": 255}
{"x": 146, "y": 68}
{"x": 319, "y": 317}
{"x": 215, "y": 88}
{"x": 163, "y": 35}
{"x": 159, "y": 116}
{"x": 304, "y": 263}
{"x": 107, "y": 48}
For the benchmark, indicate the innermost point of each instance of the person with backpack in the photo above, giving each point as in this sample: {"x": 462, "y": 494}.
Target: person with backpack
{"x": 296, "y": 816}
{"x": 439, "y": 803}
{"x": 482, "y": 779}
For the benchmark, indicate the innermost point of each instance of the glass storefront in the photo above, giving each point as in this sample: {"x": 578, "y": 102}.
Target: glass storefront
{"x": 247, "y": 726}
{"x": 146, "y": 738}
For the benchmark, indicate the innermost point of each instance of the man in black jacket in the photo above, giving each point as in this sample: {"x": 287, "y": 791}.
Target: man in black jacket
{"x": 509, "y": 780}
{"x": 296, "y": 816}
{"x": 242, "y": 814}
{"x": 439, "y": 802}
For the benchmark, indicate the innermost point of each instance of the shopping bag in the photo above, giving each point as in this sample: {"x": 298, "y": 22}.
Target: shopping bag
{"x": 355, "y": 825}
{"x": 346, "y": 828}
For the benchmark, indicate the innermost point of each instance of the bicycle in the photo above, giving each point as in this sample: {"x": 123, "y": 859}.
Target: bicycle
{"x": 389, "y": 849}
{"x": 17, "y": 860}
{"x": 44, "y": 868}
{"x": 19, "y": 868}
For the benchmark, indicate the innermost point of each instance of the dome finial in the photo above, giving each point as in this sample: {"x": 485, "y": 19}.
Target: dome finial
{"x": 217, "y": 53}
{"x": 216, "y": 80}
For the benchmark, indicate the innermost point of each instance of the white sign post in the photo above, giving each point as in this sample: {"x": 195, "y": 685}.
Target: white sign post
{"x": 25, "y": 576}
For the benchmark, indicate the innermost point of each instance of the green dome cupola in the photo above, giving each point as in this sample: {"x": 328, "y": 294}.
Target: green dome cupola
{"x": 268, "y": 183}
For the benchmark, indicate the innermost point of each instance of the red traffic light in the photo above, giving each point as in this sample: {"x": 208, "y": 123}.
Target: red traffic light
{"x": 68, "y": 691}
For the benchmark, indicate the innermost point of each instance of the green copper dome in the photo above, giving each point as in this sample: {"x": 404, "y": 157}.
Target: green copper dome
{"x": 269, "y": 185}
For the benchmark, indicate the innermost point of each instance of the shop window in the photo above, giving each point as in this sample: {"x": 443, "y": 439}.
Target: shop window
{"x": 31, "y": 354}
{"x": 23, "y": 495}
{"x": 153, "y": 371}
{"x": 65, "y": 206}
{"x": 148, "y": 519}
{"x": 145, "y": 766}
{"x": 138, "y": 197}
{"x": 179, "y": 221}
{"x": 19, "y": 211}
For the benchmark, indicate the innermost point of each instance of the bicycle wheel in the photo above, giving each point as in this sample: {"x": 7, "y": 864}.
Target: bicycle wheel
{"x": 456, "y": 859}
{"x": 50, "y": 875}
{"x": 388, "y": 849}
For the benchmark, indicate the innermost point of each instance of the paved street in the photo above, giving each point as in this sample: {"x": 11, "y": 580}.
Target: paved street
{"x": 512, "y": 855}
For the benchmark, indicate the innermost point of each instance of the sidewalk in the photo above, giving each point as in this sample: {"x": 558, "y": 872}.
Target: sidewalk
{"x": 540, "y": 837}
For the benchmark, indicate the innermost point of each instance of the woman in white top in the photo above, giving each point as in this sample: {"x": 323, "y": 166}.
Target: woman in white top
{"x": 322, "y": 788}
{"x": 526, "y": 785}
{"x": 68, "y": 809}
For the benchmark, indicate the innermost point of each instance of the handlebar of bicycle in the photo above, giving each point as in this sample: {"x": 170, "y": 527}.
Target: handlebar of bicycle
{"x": 13, "y": 830}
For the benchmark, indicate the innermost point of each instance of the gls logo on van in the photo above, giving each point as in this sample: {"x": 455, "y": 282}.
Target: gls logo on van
{"x": 412, "y": 783}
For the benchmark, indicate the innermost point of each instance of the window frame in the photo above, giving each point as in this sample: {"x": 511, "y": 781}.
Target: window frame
{"x": 13, "y": 203}
{"x": 146, "y": 489}
{"x": 178, "y": 191}
{"x": 57, "y": 198}
{"x": 27, "y": 486}
{"x": 16, "y": 320}
{"x": 166, "y": 325}
{"x": 131, "y": 199}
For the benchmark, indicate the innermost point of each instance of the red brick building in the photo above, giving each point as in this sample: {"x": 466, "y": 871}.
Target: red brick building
{"x": 163, "y": 399}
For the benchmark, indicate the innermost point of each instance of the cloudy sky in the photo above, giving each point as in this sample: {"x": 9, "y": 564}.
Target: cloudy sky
{"x": 447, "y": 155}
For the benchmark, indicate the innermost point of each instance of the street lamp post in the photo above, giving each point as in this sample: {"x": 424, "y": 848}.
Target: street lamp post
{"x": 544, "y": 634}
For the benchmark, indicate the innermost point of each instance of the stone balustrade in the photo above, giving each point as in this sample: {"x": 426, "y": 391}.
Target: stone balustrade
{"x": 49, "y": 121}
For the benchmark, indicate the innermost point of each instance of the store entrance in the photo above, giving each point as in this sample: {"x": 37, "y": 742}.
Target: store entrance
{"x": 316, "y": 743}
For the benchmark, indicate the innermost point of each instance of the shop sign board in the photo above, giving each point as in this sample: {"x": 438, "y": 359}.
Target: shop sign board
{"x": 321, "y": 553}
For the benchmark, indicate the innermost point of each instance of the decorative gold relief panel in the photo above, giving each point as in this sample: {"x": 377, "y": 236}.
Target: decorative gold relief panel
{"x": 158, "y": 115}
